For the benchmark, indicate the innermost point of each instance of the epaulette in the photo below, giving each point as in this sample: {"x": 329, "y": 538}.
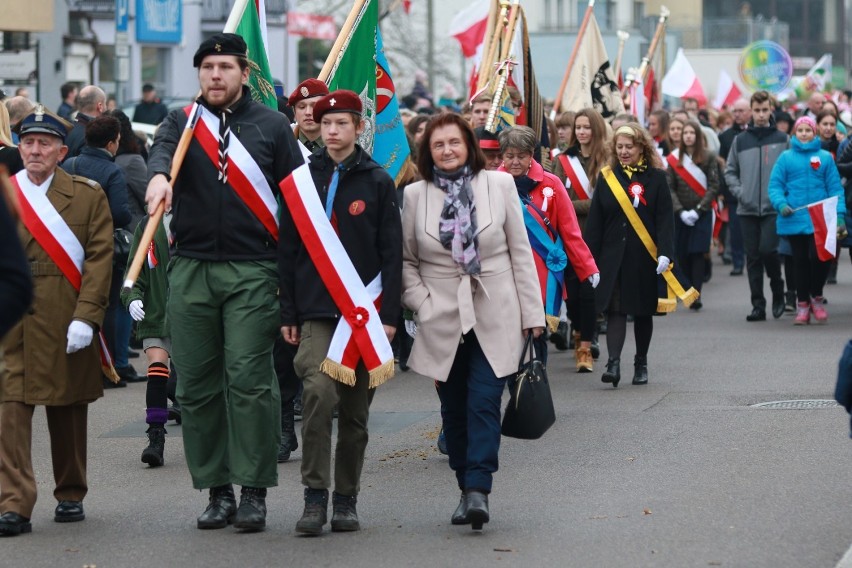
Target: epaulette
{"x": 90, "y": 182}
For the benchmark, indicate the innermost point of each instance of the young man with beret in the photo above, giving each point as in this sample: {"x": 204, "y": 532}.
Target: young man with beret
{"x": 354, "y": 203}
{"x": 302, "y": 99}
{"x": 52, "y": 357}
{"x": 222, "y": 304}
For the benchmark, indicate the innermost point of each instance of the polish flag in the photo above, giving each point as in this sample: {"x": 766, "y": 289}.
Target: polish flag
{"x": 824, "y": 217}
{"x": 468, "y": 27}
{"x": 727, "y": 91}
{"x": 682, "y": 82}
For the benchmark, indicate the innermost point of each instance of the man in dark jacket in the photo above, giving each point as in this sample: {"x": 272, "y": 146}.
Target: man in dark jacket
{"x": 91, "y": 103}
{"x": 150, "y": 110}
{"x": 223, "y": 298}
{"x": 750, "y": 161}
{"x": 734, "y": 251}
{"x": 359, "y": 198}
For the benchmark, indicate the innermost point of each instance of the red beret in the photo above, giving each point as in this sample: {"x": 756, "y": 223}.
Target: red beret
{"x": 338, "y": 101}
{"x": 307, "y": 89}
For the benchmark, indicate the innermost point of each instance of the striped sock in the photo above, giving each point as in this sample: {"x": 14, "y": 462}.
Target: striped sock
{"x": 156, "y": 395}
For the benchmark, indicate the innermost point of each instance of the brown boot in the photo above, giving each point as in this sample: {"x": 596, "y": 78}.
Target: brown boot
{"x": 585, "y": 362}
{"x": 575, "y": 342}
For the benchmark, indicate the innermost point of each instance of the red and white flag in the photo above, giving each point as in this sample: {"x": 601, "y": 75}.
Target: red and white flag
{"x": 682, "y": 82}
{"x": 727, "y": 91}
{"x": 824, "y": 217}
{"x": 468, "y": 27}
{"x": 637, "y": 100}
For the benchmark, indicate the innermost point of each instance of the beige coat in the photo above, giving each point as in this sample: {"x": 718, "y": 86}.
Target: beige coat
{"x": 37, "y": 369}
{"x": 497, "y": 305}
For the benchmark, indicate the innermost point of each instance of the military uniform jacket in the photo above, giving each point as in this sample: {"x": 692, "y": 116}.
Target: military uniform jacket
{"x": 38, "y": 371}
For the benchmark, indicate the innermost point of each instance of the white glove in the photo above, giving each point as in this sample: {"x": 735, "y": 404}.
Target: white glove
{"x": 663, "y": 263}
{"x": 136, "y": 310}
{"x": 689, "y": 217}
{"x": 595, "y": 279}
{"x": 410, "y": 328}
{"x": 79, "y": 336}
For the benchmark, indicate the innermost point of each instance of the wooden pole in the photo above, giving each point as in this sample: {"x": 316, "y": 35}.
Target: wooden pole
{"x": 157, "y": 216}
{"x": 622, "y": 38}
{"x": 235, "y": 16}
{"x": 342, "y": 39}
{"x": 586, "y": 17}
{"x": 661, "y": 27}
{"x": 505, "y": 69}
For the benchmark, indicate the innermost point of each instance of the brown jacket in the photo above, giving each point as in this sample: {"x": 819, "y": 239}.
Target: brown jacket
{"x": 37, "y": 369}
{"x": 497, "y": 304}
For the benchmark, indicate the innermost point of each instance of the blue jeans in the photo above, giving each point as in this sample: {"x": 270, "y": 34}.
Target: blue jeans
{"x": 470, "y": 408}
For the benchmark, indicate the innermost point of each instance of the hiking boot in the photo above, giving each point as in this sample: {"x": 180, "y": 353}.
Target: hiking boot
{"x": 344, "y": 517}
{"x": 289, "y": 442}
{"x": 153, "y": 454}
{"x": 315, "y": 514}
{"x": 640, "y": 370}
{"x": 803, "y": 314}
{"x": 221, "y": 510}
{"x": 251, "y": 514}
{"x": 613, "y": 372}
{"x": 559, "y": 338}
{"x": 818, "y": 309}
{"x": 574, "y": 341}
{"x": 585, "y": 362}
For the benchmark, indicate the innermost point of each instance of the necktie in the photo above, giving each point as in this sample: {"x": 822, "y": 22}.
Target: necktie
{"x": 332, "y": 190}
{"x": 224, "y": 138}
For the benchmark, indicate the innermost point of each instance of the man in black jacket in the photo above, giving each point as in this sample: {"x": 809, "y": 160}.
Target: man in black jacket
{"x": 223, "y": 299}
{"x": 91, "y": 103}
{"x": 734, "y": 251}
{"x": 359, "y": 199}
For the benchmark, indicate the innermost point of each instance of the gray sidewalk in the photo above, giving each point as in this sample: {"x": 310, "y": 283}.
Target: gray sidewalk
{"x": 682, "y": 472}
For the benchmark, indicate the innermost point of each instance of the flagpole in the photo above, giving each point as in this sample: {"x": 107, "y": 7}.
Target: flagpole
{"x": 342, "y": 39}
{"x": 586, "y": 17}
{"x": 622, "y": 38}
{"x": 658, "y": 33}
{"x": 505, "y": 69}
{"x": 235, "y": 16}
{"x": 500, "y": 21}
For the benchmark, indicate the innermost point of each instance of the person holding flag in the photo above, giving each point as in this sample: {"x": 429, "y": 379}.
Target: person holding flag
{"x": 52, "y": 356}
{"x": 340, "y": 265}
{"x": 222, "y": 304}
{"x": 803, "y": 184}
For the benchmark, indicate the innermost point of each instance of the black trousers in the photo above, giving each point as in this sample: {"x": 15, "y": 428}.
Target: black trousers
{"x": 761, "y": 247}
{"x": 810, "y": 272}
{"x": 580, "y": 305}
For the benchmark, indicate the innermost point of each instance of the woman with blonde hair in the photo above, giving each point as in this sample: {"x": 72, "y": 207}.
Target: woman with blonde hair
{"x": 9, "y": 155}
{"x": 631, "y": 203}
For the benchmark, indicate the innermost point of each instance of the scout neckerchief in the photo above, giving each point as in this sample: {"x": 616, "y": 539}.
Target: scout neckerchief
{"x": 577, "y": 178}
{"x": 54, "y": 235}
{"x": 675, "y": 288}
{"x": 547, "y": 244}
{"x": 240, "y": 171}
{"x": 359, "y": 335}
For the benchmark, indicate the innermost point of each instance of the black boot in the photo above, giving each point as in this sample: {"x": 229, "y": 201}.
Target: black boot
{"x": 559, "y": 338}
{"x": 596, "y": 346}
{"x": 153, "y": 454}
{"x": 477, "y": 508}
{"x": 460, "y": 514}
{"x": 251, "y": 514}
{"x": 315, "y": 514}
{"x": 640, "y": 367}
{"x": 221, "y": 510}
{"x": 613, "y": 372}
{"x": 289, "y": 442}
{"x": 344, "y": 517}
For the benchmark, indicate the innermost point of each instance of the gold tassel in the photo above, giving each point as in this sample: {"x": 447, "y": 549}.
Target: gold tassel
{"x": 338, "y": 372}
{"x": 382, "y": 374}
{"x": 110, "y": 373}
{"x": 689, "y": 297}
{"x": 552, "y": 322}
{"x": 666, "y": 305}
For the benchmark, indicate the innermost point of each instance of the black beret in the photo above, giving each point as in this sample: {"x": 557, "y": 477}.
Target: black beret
{"x": 220, "y": 44}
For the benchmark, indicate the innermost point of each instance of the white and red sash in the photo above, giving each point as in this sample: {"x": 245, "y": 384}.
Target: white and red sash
{"x": 54, "y": 235}
{"x": 577, "y": 178}
{"x": 360, "y": 335}
{"x": 244, "y": 175}
{"x": 689, "y": 172}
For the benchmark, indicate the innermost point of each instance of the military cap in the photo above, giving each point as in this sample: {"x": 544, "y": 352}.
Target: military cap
{"x": 338, "y": 101}
{"x": 220, "y": 44}
{"x": 487, "y": 140}
{"x": 307, "y": 89}
{"x": 43, "y": 121}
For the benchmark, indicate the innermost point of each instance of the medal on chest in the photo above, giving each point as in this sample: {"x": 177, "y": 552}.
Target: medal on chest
{"x": 637, "y": 192}
{"x": 548, "y": 195}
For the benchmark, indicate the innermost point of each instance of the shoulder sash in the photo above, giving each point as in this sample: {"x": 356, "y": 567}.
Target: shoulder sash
{"x": 552, "y": 252}
{"x": 577, "y": 178}
{"x": 689, "y": 172}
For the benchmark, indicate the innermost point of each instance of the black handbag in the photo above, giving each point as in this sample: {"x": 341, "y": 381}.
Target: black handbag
{"x": 122, "y": 240}
{"x": 530, "y": 411}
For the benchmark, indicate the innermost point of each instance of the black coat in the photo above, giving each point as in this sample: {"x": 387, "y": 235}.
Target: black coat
{"x": 623, "y": 260}
{"x": 16, "y": 285}
{"x": 370, "y": 229}
{"x": 98, "y": 165}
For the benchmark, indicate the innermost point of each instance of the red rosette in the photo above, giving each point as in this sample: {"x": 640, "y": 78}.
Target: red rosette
{"x": 358, "y": 317}
{"x": 815, "y": 162}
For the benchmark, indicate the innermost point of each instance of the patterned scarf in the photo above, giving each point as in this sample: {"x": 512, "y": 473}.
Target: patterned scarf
{"x": 640, "y": 167}
{"x": 458, "y": 218}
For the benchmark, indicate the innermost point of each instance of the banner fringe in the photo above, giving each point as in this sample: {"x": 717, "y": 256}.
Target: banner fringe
{"x": 338, "y": 372}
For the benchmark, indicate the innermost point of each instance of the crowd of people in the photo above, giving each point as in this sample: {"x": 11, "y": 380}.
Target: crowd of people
{"x": 290, "y": 273}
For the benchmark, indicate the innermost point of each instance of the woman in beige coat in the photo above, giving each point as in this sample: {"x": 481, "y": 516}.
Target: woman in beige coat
{"x": 469, "y": 274}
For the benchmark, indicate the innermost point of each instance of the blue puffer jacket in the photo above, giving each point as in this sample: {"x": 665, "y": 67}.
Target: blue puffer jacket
{"x": 804, "y": 174}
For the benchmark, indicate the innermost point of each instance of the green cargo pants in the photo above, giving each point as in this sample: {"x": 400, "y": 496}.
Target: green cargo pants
{"x": 224, "y": 318}
{"x": 320, "y": 395}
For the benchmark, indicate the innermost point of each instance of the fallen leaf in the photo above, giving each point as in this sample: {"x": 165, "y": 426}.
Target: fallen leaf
{"x": 646, "y": 511}
{"x": 72, "y": 550}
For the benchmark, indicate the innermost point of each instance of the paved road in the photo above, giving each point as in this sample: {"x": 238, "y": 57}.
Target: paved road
{"x": 680, "y": 473}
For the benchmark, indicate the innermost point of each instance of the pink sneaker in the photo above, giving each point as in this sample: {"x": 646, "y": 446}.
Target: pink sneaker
{"x": 818, "y": 308}
{"x": 803, "y": 314}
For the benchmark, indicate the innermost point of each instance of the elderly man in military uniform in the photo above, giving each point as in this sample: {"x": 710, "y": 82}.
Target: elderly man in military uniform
{"x": 52, "y": 356}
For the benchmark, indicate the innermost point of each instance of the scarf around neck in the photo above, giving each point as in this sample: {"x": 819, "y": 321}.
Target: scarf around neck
{"x": 457, "y": 228}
